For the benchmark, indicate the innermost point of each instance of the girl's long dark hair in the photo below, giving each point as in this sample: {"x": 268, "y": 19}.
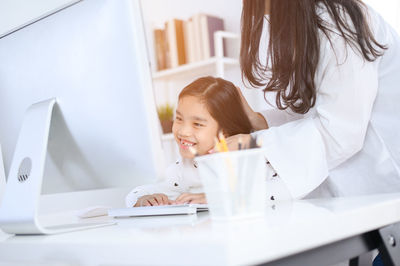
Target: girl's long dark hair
{"x": 294, "y": 45}
{"x": 223, "y": 102}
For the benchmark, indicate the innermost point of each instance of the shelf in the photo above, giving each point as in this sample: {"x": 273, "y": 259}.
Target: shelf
{"x": 208, "y": 65}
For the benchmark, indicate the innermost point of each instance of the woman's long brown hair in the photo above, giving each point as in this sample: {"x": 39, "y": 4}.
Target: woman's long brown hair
{"x": 223, "y": 102}
{"x": 294, "y": 45}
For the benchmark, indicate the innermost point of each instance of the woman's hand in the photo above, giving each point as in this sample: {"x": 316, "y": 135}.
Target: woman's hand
{"x": 233, "y": 141}
{"x": 192, "y": 198}
{"x": 153, "y": 200}
{"x": 257, "y": 121}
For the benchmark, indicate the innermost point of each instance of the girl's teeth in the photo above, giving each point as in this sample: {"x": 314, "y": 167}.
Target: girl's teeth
{"x": 186, "y": 144}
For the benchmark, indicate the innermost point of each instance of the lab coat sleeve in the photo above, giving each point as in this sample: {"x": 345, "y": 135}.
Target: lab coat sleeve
{"x": 277, "y": 117}
{"x": 163, "y": 187}
{"x": 304, "y": 150}
{"x": 275, "y": 187}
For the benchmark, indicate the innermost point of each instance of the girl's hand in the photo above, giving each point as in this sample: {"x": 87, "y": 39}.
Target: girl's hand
{"x": 257, "y": 121}
{"x": 192, "y": 198}
{"x": 153, "y": 200}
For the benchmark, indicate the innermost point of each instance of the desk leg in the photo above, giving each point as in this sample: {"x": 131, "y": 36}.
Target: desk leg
{"x": 353, "y": 262}
{"x": 331, "y": 254}
{"x": 386, "y": 239}
{"x": 390, "y": 244}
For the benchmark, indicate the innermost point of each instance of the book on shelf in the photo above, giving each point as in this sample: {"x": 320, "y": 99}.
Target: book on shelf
{"x": 176, "y": 42}
{"x": 198, "y": 56}
{"x": 190, "y": 44}
{"x": 160, "y": 49}
{"x": 186, "y": 41}
{"x": 209, "y": 25}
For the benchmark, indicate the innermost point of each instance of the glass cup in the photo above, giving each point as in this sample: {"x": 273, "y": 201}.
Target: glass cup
{"x": 234, "y": 183}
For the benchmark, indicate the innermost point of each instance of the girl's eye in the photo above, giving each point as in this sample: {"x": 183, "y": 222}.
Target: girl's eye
{"x": 178, "y": 118}
{"x": 198, "y": 125}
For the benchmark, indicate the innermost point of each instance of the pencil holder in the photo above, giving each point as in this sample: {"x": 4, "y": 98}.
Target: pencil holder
{"x": 234, "y": 183}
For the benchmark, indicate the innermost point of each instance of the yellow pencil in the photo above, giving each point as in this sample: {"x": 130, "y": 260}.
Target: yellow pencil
{"x": 217, "y": 145}
{"x": 232, "y": 178}
{"x": 223, "y": 142}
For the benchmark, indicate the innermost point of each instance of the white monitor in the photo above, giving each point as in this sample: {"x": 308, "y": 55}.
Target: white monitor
{"x": 92, "y": 58}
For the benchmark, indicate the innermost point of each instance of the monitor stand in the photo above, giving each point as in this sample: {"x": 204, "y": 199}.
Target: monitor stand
{"x": 2, "y": 176}
{"x": 20, "y": 204}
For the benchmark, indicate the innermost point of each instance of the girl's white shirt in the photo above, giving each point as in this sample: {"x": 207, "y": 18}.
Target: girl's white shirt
{"x": 347, "y": 144}
{"x": 180, "y": 177}
{"x": 183, "y": 177}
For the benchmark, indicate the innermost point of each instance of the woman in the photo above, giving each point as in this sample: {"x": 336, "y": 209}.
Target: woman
{"x": 333, "y": 67}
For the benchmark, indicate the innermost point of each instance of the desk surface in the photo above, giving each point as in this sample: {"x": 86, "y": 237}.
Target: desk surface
{"x": 287, "y": 229}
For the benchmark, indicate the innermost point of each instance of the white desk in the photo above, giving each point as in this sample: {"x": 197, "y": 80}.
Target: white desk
{"x": 288, "y": 229}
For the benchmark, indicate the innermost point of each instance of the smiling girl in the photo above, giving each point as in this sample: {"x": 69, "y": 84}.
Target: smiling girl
{"x": 206, "y": 107}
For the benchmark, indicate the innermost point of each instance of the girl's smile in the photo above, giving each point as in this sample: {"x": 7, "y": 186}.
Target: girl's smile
{"x": 185, "y": 144}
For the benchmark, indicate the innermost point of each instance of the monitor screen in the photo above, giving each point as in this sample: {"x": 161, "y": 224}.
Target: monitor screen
{"x": 92, "y": 58}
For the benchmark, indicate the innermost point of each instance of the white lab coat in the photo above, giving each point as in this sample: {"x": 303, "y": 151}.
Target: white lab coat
{"x": 183, "y": 177}
{"x": 347, "y": 144}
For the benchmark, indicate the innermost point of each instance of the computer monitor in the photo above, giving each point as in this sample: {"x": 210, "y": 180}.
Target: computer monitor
{"x": 92, "y": 57}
